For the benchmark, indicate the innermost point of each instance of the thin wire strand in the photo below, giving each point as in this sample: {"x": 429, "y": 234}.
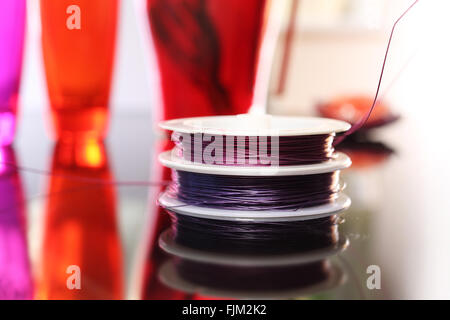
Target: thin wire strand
{"x": 358, "y": 125}
{"x": 41, "y": 172}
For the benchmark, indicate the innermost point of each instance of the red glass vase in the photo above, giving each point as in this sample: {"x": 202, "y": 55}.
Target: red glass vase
{"x": 207, "y": 52}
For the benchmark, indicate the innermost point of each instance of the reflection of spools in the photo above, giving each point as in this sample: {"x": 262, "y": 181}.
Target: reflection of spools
{"x": 253, "y": 278}
{"x": 246, "y": 276}
{"x": 242, "y": 253}
{"x": 255, "y": 237}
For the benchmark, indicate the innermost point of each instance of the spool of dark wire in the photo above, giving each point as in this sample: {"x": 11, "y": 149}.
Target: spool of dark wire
{"x": 255, "y": 193}
{"x": 255, "y": 237}
{"x": 238, "y": 150}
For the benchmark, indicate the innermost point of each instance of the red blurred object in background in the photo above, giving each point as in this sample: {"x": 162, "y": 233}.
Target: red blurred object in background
{"x": 207, "y": 52}
{"x": 354, "y": 108}
{"x": 81, "y": 227}
{"x": 78, "y": 64}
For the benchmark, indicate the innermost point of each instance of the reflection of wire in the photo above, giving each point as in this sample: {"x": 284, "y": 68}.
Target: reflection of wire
{"x": 52, "y": 194}
{"x": 85, "y": 179}
{"x": 46, "y": 196}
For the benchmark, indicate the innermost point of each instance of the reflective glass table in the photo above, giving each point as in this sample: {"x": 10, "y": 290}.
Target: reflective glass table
{"x": 94, "y": 207}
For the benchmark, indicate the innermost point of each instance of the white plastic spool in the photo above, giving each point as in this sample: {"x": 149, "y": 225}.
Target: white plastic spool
{"x": 341, "y": 203}
{"x": 171, "y": 160}
{"x": 256, "y": 125}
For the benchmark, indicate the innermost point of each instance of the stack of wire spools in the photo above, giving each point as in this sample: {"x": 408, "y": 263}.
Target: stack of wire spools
{"x": 255, "y": 204}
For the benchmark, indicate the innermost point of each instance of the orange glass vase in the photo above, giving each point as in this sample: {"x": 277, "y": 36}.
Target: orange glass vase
{"x": 81, "y": 226}
{"x": 78, "y": 41}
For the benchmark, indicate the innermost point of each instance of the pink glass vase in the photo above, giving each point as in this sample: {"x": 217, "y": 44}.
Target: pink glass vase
{"x": 12, "y": 30}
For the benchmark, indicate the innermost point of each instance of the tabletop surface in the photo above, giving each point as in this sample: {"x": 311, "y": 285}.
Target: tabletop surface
{"x": 101, "y": 214}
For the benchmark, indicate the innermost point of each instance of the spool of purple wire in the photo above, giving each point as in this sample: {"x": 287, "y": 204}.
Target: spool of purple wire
{"x": 238, "y": 150}
{"x": 254, "y": 140}
{"x": 254, "y": 193}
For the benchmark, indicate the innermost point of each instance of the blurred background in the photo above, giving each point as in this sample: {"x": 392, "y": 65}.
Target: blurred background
{"x": 316, "y": 57}
{"x": 329, "y": 39}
